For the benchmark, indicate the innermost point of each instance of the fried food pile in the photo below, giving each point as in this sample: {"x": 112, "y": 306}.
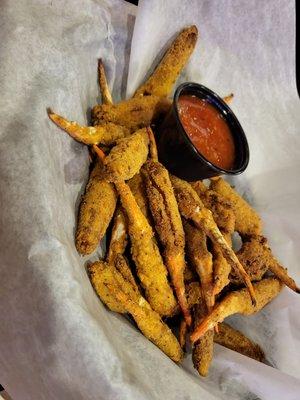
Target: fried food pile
{"x": 170, "y": 262}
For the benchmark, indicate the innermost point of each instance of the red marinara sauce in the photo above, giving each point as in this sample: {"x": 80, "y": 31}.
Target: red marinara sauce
{"x": 208, "y": 130}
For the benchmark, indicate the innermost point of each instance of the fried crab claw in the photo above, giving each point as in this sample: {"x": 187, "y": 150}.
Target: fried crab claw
{"x": 247, "y": 221}
{"x": 134, "y": 113}
{"x": 126, "y": 158}
{"x": 116, "y": 287}
{"x": 145, "y": 252}
{"x": 104, "y": 89}
{"x": 95, "y": 212}
{"x": 257, "y": 256}
{"x": 160, "y": 83}
{"x": 224, "y": 217}
{"x": 192, "y": 208}
{"x": 239, "y": 302}
{"x": 203, "y": 349}
{"x": 201, "y": 260}
{"x": 237, "y": 341}
{"x": 119, "y": 239}
{"x": 152, "y": 145}
{"x": 168, "y": 224}
{"x": 106, "y": 134}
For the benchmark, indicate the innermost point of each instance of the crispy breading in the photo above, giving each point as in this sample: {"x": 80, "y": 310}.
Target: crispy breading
{"x": 191, "y": 207}
{"x": 163, "y": 206}
{"x": 203, "y": 349}
{"x": 137, "y": 185}
{"x": 103, "y": 275}
{"x": 95, "y": 213}
{"x": 200, "y": 258}
{"x": 182, "y": 333}
{"x": 138, "y": 189}
{"x": 221, "y": 270}
{"x": 199, "y": 187}
{"x": 222, "y": 211}
{"x": 189, "y": 202}
{"x": 237, "y": 341}
{"x": 240, "y": 302}
{"x": 106, "y": 134}
{"x": 223, "y": 214}
{"x": 151, "y": 325}
{"x": 193, "y": 293}
{"x": 161, "y": 81}
{"x": 168, "y": 225}
{"x": 145, "y": 253}
{"x": 247, "y": 221}
{"x": 127, "y": 157}
{"x": 153, "y": 152}
{"x": 100, "y": 274}
{"x": 119, "y": 239}
{"x": 133, "y": 113}
{"x": 257, "y": 257}
{"x": 129, "y": 285}
{"x": 189, "y": 274}
{"x": 117, "y": 289}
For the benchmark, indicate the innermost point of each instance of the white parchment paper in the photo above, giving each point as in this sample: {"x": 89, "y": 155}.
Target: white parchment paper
{"x": 57, "y": 341}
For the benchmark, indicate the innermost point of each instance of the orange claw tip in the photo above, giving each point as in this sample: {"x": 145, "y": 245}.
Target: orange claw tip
{"x": 188, "y": 319}
{"x": 57, "y": 119}
{"x": 198, "y": 332}
{"x": 184, "y": 307}
{"x": 54, "y": 117}
{"x": 228, "y": 98}
{"x": 49, "y": 111}
{"x": 149, "y": 131}
{"x": 100, "y": 153}
{"x": 152, "y": 143}
{"x": 252, "y": 295}
{"x": 185, "y": 310}
{"x": 250, "y": 288}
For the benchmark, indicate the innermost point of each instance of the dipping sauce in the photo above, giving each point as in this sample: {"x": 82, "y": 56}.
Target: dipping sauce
{"x": 208, "y": 130}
